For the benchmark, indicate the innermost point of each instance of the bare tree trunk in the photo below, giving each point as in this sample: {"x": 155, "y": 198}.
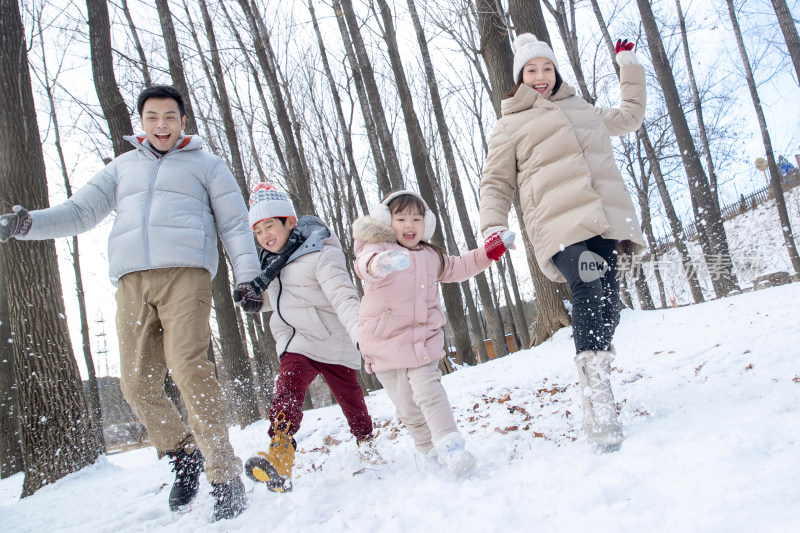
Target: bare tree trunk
{"x": 93, "y": 398}
{"x": 495, "y": 327}
{"x": 139, "y": 50}
{"x": 570, "y": 38}
{"x": 10, "y": 438}
{"x": 425, "y": 177}
{"x": 55, "y": 426}
{"x": 698, "y": 107}
{"x": 790, "y": 35}
{"x": 223, "y": 102}
{"x": 528, "y": 17}
{"x": 345, "y": 130}
{"x": 655, "y": 167}
{"x": 499, "y": 60}
{"x": 517, "y": 321}
{"x": 261, "y": 98}
{"x": 373, "y": 93}
{"x": 175, "y": 62}
{"x": 647, "y": 223}
{"x": 710, "y": 228}
{"x": 105, "y": 83}
{"x": 381, "y": 172}
{"x": 775, "y": 176}
{"x": 521, "y": 314}
{"x": 299, "y": 182}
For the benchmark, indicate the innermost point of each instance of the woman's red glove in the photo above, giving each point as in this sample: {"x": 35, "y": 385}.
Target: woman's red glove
{"x": 623, "y": 46}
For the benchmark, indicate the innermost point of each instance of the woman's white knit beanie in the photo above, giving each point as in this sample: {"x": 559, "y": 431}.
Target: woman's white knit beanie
{"x": 267, "y": 201}
{"x": 526, "y": 47}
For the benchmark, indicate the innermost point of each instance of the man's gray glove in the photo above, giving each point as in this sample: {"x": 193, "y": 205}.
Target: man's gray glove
{"x": 16, "y": 223}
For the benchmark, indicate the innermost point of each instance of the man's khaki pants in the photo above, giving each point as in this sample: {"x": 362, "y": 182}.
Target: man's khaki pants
{"x": 162, "y": 324}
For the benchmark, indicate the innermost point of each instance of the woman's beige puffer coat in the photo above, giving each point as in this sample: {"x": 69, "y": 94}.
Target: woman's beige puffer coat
{"x": 558, "y": 153}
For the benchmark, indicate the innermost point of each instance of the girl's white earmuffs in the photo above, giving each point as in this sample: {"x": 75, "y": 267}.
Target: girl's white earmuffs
{"x": 380, "y": 213}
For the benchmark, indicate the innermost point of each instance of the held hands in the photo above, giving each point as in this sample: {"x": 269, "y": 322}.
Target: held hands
{"x": 625, "y": 55}
{"x": 389, "y": 261}
{"x": 16, "y": 223}
{"x": 497, "y": 244}
{"x": 245, "y": 296}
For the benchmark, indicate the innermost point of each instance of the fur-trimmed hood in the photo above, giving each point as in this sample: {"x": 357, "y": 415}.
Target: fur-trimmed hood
{"x": 368, "y": 229}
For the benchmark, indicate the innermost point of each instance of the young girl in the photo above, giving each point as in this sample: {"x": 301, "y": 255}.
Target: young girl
{"x": 555, "y": 149}
{"x": 400, "y": 326}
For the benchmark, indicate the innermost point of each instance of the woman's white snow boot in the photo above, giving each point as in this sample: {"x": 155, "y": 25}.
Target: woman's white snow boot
{"x": 599, "y": 410}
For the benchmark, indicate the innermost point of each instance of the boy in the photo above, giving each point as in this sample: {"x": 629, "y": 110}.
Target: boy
{"x": 304, "y": 281}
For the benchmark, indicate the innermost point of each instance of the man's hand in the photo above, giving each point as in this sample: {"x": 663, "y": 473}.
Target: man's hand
{"x": 245, "y": 296}
{"x": 389, "y": 261}
{"x": 497, "y": 244}
{"x": 16, "y": 223}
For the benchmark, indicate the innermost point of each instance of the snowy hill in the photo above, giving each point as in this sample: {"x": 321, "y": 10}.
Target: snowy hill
{"x": 710, "y": 401}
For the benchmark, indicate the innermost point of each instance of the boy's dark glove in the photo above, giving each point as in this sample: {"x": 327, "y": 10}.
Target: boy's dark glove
{"x": 16, "y": 223}
{"x": 246, "y": 297}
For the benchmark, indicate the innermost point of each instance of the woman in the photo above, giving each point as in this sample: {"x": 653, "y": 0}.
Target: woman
{"x": 555, "y": 149}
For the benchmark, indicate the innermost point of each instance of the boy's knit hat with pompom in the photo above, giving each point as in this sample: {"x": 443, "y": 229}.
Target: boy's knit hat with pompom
{"x": 526, "y": 47}
{"x": 267, "y": 201}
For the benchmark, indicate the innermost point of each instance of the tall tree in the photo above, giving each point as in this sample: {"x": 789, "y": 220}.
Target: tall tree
{"x": 105, "y": 82}
{"x": 499, "y": 59}
{"x": 373, "y": 93}
{"x": 10, "y": 438}
{"x": 789, "y": 29}
{"x": 698, "y": 106}
{"x": 423, "y": 169}
{"x": 148, "y": 81}
{"x": 55, "y": 426}
{"x": 655, "y": 166}
{"x": 707, "y": 216}
{"x": 299, "y": 186}
{"x": 175, "y": 62}
{"x": 565, "y": 20}
{"x": 775, "y": 175}
{"x": 337, "y": 102}
{"x": 527, "y": 17}
{"x": 93, "y": 397}
{"x": 495, "y": 326}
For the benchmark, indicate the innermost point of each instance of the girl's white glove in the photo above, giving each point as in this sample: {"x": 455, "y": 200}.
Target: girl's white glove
{"x": 389, "y": 261}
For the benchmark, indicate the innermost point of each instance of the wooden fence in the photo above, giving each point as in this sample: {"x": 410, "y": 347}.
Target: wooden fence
{"x": 728, "y": 212}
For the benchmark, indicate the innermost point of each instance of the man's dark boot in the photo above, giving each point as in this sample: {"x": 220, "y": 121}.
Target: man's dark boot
{"x": 229, "y": 499}
{"x": 187, "y": 468}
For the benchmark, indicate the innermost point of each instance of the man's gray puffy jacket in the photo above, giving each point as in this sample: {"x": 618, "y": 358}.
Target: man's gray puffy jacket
{"x": 169, "y": 209}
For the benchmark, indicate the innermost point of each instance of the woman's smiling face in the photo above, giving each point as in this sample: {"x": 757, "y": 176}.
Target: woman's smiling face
{"x": 540, "y": 75}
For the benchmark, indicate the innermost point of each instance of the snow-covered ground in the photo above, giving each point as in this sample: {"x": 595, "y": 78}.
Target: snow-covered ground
{"x": 710, "y": 401}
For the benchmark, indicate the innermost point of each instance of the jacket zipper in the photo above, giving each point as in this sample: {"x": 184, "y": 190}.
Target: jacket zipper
{"x": 278, "y": 309}
{"x": 147, "y": 211}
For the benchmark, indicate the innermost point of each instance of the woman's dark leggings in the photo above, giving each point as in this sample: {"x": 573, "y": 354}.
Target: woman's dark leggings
{"x": 590, "y": 268}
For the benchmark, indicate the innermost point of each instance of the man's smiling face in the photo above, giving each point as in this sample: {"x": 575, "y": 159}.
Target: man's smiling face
{"x": 162, "y": 122}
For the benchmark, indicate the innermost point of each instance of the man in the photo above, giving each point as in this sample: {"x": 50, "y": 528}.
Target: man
{"x": 171, "y": 199}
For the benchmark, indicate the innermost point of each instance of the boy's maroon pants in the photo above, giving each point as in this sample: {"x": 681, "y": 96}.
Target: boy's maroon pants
{"x": 296, "y": 374}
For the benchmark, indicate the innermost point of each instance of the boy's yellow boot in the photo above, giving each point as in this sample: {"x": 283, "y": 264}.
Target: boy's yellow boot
{"x": 274, "y": 467}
